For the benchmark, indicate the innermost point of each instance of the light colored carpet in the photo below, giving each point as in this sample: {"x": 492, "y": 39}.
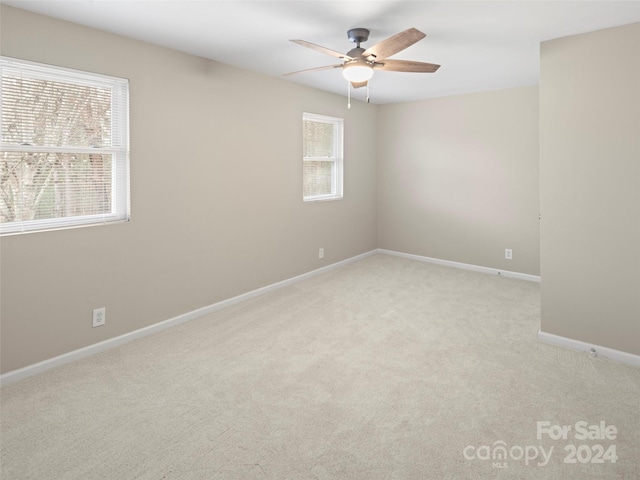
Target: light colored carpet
{"x": 385, "y": 368}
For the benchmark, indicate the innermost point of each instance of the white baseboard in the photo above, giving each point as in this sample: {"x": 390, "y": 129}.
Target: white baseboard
{"x": 590, "y": 348}
{"x": 28, "y": 371}
{"x": 16, "y": 375}
{"x": 464, "y": 266}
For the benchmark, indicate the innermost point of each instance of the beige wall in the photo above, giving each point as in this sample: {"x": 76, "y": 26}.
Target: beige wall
{"x": 458, "y": 178}
{"x": 216, "y": 196}
{"x": 590, "y": 187}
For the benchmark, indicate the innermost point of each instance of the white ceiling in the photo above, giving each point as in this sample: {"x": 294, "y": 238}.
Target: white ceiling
{"x": 481, "y": 45}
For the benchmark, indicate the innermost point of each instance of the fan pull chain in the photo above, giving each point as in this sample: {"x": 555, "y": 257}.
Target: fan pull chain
{"x": 368, "y": 92}
{"x": 348, "y": 95}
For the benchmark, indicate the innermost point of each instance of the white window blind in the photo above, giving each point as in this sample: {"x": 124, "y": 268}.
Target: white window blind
{"x": 322, "y": 157}
{"x": 64, "y": 150}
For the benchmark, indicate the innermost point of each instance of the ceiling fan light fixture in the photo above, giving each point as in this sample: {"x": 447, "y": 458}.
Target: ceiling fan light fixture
{"x": 357, "y": 72}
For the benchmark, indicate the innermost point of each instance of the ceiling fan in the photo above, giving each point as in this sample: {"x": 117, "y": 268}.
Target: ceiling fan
{"x": 358, "y": 64}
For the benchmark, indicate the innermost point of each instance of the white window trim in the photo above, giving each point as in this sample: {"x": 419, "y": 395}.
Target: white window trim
{"x": 338, "y": 149}
{"x": 119, "y": 149}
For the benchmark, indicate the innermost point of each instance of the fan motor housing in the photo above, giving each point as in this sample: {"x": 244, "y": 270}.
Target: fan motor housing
{"x": 355, "y": 52}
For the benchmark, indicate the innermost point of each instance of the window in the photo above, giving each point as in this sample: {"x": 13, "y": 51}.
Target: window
{"x": 322, "y": 157}
{"x": 64, "y": 149}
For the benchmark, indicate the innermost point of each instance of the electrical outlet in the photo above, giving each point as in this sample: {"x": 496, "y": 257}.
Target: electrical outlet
{"x": 321, "y": 253}
{"x": 508, "y": 254}
{"x": 99, "y": 316}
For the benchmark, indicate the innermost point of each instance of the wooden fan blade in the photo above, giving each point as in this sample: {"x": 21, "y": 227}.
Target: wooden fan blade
{"x": 326, "y": 67}
{"x": 359, "y": 84}
{"x": 405, "y": 66}
{"x": 320, "y": 49}
{"x": 394, "y": 44}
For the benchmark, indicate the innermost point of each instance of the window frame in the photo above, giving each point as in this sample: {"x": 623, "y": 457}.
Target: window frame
{"x": 337, "y": 171}
{"x": 118, "y": 149}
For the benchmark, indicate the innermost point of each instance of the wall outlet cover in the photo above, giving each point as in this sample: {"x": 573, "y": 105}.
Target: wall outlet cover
{"x": 99, "y": 316}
